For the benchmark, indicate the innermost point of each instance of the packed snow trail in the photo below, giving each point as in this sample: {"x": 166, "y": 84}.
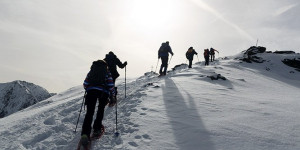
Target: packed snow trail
{"x": 254, "y": 108}
{"x": 195, "y": 112}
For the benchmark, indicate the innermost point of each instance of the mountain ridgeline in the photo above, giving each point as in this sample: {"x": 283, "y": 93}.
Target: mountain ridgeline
{"x": 246, "y": 101}
{"x": 18, "y": 95}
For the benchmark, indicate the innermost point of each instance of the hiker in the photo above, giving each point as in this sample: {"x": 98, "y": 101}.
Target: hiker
{"x": 163, "y": 53}
{"x": 113, "y": 61}
{"x": 206, "y": 56}
{"x": 99, "y": 86}
{"x": 212, "y": 54}
{"x": 190, "y": 55}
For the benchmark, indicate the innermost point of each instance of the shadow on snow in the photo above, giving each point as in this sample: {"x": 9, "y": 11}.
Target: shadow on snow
{"x": 188, "y": 128}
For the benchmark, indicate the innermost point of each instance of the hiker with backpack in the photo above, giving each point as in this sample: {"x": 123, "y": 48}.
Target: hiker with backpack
{"x": 99, "y": 86}
{"x": 113, "y": 61}
{"x": 190, "y": 55}
{"x": 206, "y": 56}
{"x": 212, "y": 54}
{"x": 163, "y": 53}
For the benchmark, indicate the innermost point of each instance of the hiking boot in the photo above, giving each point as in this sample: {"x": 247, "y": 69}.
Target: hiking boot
{"x": 84, "y": 140}
{"x": 98, "y": 132}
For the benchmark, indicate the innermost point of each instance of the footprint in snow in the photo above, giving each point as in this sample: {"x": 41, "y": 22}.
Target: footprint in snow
{"x": 38, "y": 138}
{"x": 138, "y": 137}
{"x": 242, "y": 80}
{"x": 50, "y": 121}
{"x": 146, "y": 136}
{"x": 127, "y": 114}
{"x": 136, "y": 125}
{"x": 133, "y": 144}
{"x": 134, "y": 110}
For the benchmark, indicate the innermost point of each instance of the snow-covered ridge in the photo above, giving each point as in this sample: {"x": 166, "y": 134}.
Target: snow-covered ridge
{"x": 256, "y": 107}
{"x": 259, "y": 54}
{"x": 18, "y": 95}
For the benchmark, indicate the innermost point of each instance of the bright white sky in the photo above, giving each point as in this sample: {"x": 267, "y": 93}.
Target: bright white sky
{"x": 52, "y": 43}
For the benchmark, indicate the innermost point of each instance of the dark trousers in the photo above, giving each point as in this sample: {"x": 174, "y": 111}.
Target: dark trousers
{"x": 114, "y": 79}
{"x": 90, "y": 100}
{"x": 190, "y": 63}
{"x": 164, "y": 65}
{"x": 212, "y": 57}
{"x": 206, "y": 61}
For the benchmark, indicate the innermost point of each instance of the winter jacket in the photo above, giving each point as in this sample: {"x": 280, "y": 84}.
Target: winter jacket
{"x": 212, "y": 51}
{"x": 206, "y": 53}
{"x": 113, "y": 62}
{"x": 108, "y": 87}
{"x": 164, "y": 50}
{"x": 190, "y": 54}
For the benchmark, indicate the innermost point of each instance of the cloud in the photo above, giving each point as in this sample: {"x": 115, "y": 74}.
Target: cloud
{"x": 59, "y": 39}
{"x": 218, "y": 15}
{"x": 42, "y": 40}
{"x": 284, "y": 9}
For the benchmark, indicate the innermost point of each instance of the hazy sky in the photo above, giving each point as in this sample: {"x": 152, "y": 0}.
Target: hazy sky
{"x": 52, "y": 43}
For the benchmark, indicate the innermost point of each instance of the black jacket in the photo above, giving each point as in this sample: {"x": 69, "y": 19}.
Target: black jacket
{"x": 113, "y": 62}
{"x": 190, "y": 54}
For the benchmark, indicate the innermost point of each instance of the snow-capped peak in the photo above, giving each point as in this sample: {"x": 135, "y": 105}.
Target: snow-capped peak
{"x": 17, "y": 95}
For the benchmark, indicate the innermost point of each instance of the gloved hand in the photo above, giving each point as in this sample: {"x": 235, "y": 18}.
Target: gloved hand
{"x": 112, "y": 101}
{"x": 125, "y": 63}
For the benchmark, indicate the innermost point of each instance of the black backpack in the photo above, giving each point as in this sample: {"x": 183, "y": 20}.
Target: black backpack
{"x": 97, "y": 73}
{"x": 212, "y": 51}
{"x": 189, "y": 54}
{"x": 163, "y": 48}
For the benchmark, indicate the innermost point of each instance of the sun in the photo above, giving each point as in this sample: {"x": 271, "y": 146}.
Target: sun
{"x": 152, "y": 15}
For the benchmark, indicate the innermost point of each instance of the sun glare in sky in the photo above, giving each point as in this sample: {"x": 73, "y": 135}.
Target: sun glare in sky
{"x": 151, "y": 16}
{"x": 66, "y": 37}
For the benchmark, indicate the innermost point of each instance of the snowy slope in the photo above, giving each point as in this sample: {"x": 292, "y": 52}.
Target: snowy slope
{"x": 255, "y": 108}
{"x": 17, "y": 95}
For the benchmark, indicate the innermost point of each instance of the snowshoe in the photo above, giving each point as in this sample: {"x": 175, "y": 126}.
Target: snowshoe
{"x": 97, "y": 134}
{"x": 84, "y": 143}
{"x": 111, "y": 104}
{"x": 161, "y": 75}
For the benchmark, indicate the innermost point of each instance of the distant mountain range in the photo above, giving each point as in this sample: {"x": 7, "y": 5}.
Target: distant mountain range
{"x": 18, "y": 95}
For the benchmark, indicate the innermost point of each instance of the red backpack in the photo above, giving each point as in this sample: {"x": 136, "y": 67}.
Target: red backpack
{"x": 206, "y": 53}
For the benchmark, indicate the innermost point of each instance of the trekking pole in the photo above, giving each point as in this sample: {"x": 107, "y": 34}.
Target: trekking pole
{"x": 116, "y": 133}
{"x": 170, "y": 59}
{"x": 186, "y": 63}
{"x": 125, "y": 81}
{"x": 80, "y": 110}
{"x": 156, "y": 65}
{"x": 256, "y": 42}
{"x": 198, "y": 58}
